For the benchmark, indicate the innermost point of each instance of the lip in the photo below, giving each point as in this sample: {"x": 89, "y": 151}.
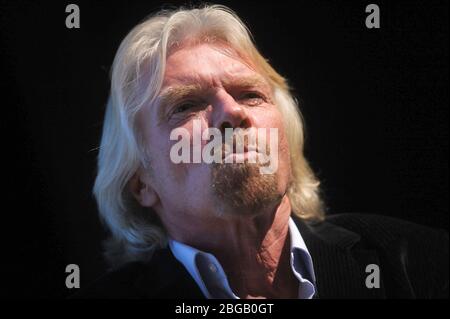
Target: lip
{"x": 247, "y": 149}
{"x": 240, "y": 157}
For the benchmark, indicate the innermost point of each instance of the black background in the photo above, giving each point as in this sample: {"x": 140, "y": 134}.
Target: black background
{"x": 375, "y": 103}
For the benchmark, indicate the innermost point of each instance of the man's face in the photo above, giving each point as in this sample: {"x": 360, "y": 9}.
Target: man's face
{"x": 204, "y": 85}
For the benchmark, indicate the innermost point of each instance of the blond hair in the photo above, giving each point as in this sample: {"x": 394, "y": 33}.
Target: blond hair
{"x": 136, "y": 79}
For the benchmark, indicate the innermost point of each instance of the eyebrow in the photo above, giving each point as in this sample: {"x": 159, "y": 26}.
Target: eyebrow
{"x": 172, "y": 94}
{"x": 249, "y": 81}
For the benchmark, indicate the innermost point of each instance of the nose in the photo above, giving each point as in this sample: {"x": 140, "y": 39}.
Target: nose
{"x": 227, "y": 113}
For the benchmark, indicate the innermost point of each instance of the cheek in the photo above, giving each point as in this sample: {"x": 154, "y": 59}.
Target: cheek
{"x": 275, "y": 120}
{"x": 196, "y": 127}
{"x": 192, "y": 143}
{"x": 284, "y": 150}
{"x": 282, "y": 137}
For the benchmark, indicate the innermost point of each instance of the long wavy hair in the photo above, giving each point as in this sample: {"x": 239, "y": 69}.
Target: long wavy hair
{"x": 136, "y": 79}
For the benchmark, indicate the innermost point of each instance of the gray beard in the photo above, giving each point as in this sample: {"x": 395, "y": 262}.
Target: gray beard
{"x": 240, "y": 188}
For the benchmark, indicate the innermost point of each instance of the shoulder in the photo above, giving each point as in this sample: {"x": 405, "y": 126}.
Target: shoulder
{"x": 117, "y": 283}
{"x": 417, "y": 254}
{"x": 382, "y": 230}
{"x": 161, "y": 276}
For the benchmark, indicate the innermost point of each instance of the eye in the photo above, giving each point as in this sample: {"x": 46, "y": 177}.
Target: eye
{"x": 183, "y": 107}
{"x": 252, "y": 98}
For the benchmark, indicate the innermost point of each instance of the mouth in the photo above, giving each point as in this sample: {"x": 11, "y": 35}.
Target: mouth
{"x": 240, "y": 157}
{"x": 239, "y": 151}
{"x": 249, "y": 154}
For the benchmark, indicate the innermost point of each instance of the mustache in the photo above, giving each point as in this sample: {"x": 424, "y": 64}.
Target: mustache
{"x": 245, "y": 140}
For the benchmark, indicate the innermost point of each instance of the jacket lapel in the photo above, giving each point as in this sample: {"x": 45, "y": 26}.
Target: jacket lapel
{"x": 339, "y": 261}
{"x": 165, "y": 277}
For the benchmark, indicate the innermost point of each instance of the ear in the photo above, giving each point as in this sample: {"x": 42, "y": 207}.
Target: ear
{"x": 141, "y": 189}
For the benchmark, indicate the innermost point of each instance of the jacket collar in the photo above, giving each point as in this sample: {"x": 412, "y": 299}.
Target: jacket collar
{"x": 166, "y": 278}
{"x": 340, "y": 260}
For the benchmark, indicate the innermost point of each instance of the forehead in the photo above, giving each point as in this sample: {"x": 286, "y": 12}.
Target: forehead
{"x": 208, "y": 65}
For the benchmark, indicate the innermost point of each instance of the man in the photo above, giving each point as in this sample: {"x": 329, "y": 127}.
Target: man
{"x": 214, "y": 221}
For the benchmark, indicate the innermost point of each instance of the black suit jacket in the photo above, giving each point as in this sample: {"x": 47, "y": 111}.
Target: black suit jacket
{"x": 413, "y": 263}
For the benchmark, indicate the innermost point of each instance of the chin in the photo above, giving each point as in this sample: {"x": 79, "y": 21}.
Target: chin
{"x": 240, "y": 190}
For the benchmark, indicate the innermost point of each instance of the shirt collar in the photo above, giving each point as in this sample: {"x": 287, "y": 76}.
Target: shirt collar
{"x": 301, "y": 263}
{"x": 209, "y": 275}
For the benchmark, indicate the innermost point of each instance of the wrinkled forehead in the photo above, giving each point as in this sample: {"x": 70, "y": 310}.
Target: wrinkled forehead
{"x": 209, "y": 64}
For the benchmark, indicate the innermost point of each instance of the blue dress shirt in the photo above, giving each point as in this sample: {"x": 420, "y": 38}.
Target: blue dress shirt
{"x": 207, "y": 272}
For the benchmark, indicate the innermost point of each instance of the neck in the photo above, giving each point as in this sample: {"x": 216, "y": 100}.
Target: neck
{"x": 254, "y": 251}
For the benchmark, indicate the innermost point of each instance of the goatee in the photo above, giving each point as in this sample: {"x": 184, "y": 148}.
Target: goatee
{"x": 240, "y": 188}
